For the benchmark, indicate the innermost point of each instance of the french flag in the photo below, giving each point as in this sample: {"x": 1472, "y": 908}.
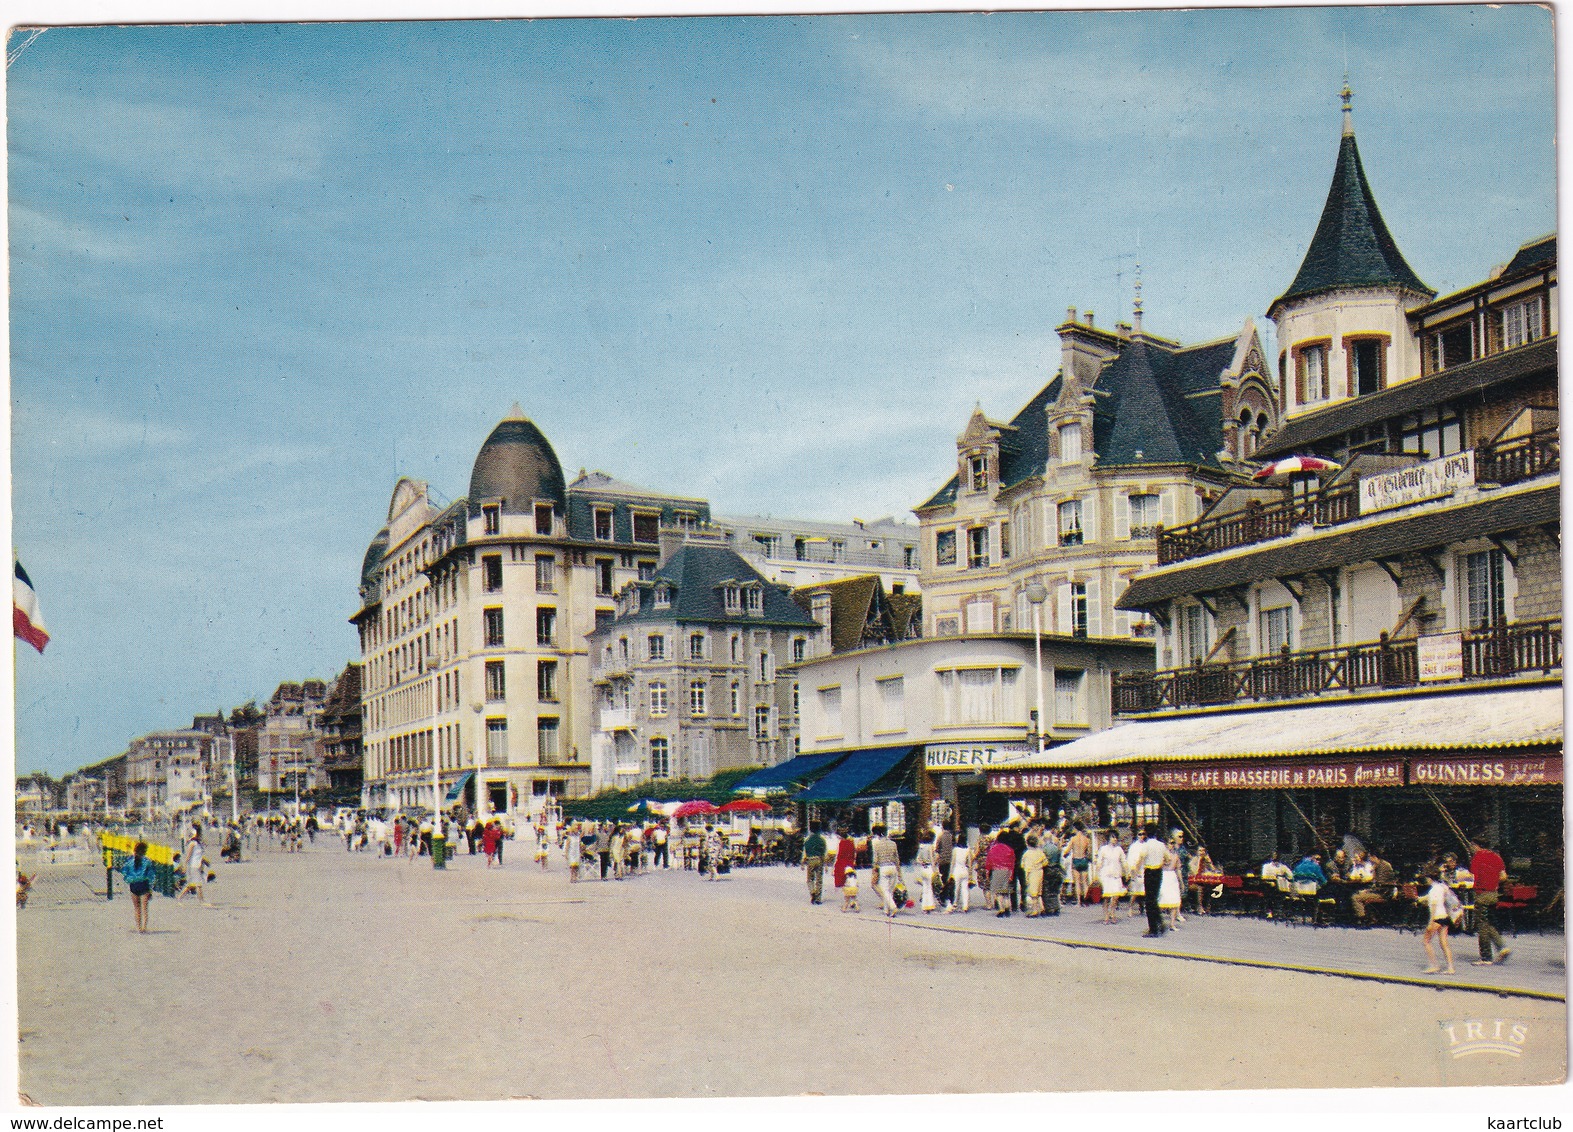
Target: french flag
{"x": 27, "y": 622}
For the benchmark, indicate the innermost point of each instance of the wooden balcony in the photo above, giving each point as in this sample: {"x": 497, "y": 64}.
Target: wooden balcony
{"x": 1510, "y": 462}
{"x": 1532, "y": 647}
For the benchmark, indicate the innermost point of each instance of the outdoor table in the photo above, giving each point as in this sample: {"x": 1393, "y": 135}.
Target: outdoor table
{"x": 1204, "y": 883}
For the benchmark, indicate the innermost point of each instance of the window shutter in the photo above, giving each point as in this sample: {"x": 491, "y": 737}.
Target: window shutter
{"x": 1166, "y": 507}
{"x": 1089, "y": 519}
{"x": 1062, "y": 612}
{"x": 1122, "y": 623}
{"x": 1122, "y": 517}
{"x": 1094, "y": 607}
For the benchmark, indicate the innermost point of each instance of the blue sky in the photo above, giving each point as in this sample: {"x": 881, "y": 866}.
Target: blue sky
{"x": 259, "y": 271}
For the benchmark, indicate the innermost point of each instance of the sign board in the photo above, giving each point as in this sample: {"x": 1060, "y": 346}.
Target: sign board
{"x": 1441, "y": 656}
{"x": 1275, "y": 775}
{"x": 1486, "y": 770}
{"x": 968, "y": 757}
{"x": 626, "y": 768}
{"x": 1120, "y": 779}
{"x": 1430, "y": 480}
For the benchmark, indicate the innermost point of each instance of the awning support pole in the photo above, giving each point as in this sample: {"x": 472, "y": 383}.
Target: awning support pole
{"x": 1311, "y": 825}
{"x": 1185, "y": 822}
{"x": 1458, "y": 830}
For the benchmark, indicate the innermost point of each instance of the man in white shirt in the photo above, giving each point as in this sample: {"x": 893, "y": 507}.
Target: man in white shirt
{"x": 1153, "y": 854}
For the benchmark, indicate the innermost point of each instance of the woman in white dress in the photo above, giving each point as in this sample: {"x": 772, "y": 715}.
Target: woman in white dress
{"x": 1135, "y": 870}
{"x": 1111, "y": 875}
{"x": 1169, "y": 890}
{"x": 961, "y": 875}
{"x": 925, "y": 864}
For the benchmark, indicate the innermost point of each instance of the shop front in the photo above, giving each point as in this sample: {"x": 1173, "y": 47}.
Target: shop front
{"x": 956, "y": 774}
{"x": 869, "y": 787}
{"x": 1414, "y": 776}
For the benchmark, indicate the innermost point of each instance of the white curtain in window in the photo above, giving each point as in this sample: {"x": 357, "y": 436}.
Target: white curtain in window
{"x": 979, "y": 695}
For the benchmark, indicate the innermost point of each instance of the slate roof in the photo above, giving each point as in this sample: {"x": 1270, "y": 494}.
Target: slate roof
{"x": 600, "y": 484}
{"x": 1536, "y": 253}
{"x": 695, "y": 573}
{"x": 1352, "y": 246}
{"x": 1305, "y": 433}
{"x": 517, "y": 465}
{"x": 1024, "y": 452}
{"x": 1160, "y": 405}
{"x": 1404, "y": 533}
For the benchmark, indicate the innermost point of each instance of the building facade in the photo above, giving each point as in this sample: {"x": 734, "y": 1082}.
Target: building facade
{"x": 1378, "y": 651}
{"x": 343, "y": 748}
{"x": 963, "y": 706}
{"x": 800, "y": 552}
{"x": 473, "y": 623}
{"x": 691, "y": 676}
{"x": 289, "y": 742}
{"x": 167, "y": 773}
{"x": 1134, "y": 434}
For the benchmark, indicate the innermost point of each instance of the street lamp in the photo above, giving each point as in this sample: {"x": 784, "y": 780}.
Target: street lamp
{"x": 439, "y": 843}
{"x": 1036, "y": 593}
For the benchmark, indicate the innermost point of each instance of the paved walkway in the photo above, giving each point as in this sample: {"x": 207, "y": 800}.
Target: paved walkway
{"x": 327, "y": 976}
{"x": 1537, "y": 966}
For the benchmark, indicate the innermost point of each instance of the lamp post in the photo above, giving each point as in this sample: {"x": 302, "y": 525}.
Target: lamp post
{"x": 234, "y": 789}
{"x": 439, "y": 844}
{"x": 1036, "y": 593}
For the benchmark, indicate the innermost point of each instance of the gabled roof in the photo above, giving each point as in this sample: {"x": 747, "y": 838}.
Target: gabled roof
{"x": 861, "y": 613}
{"x": 696, "y": 574}
{"x": 1352, "y": 246}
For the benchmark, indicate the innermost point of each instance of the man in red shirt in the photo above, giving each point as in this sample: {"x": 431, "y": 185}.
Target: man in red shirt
{"x": 1488, "y": 871}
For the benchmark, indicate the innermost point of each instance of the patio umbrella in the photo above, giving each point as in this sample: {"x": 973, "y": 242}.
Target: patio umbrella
{"x": 745, "y": 806}
{"x": 689, "y": 809}
{"x": 1292, "y": 468}
{"x": 645, "y": 806}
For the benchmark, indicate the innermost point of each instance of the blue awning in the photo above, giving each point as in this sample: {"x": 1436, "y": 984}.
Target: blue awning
{"x": 458, "y": 788}
{"x": 794, "y": 774}
{"x": 858, "y": 772}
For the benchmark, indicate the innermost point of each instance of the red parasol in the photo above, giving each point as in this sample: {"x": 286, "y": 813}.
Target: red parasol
{"x": 1295, "y": 467}
{"x": 745, "y": 806}
{"x": 689, "y": 809}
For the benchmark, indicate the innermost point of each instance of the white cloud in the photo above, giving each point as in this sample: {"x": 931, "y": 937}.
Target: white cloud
{"x": 39, "y": 235}
{"x": 196, "y": 147}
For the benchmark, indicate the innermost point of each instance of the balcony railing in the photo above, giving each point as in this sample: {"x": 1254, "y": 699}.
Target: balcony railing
{"x": 1510, "y": 462}
{"x": 1502, "y": 650}
{"x": 1258, "y": 522}
{"x": 1523, "y": 458}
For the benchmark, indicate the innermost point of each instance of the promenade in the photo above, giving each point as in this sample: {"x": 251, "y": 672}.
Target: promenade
{"x": 328, "y": 976}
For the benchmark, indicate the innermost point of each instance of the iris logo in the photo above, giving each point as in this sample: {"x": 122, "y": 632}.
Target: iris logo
{"x": 1466, "y": 1037}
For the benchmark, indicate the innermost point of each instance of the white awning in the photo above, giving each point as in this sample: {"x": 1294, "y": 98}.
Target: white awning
{"x": 1455, "y": 721}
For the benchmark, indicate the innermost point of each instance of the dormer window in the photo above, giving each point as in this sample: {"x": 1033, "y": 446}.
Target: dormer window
{"x": 543, "y": 518}
{"x": 491, "y": 516}
{"x": 663, "y": 597}
{"x": 730, "y": 596}
{"x": 821, "y": 607}
{"x": 978, "y": 468}
{"x": 647, "y": 527}
{"x": 603, "y": 524}
{"x": 754, "y": 600}
{"x": 1070, "y": 443}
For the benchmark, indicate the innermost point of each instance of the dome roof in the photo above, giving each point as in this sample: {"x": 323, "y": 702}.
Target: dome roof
{"x": 372, "y": 563}
{"x": 517, "y": 465}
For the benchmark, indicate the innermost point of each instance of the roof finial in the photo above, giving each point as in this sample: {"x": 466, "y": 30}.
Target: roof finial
{"x": 1137, "y": 305}
{"x": 1349, "y": 119}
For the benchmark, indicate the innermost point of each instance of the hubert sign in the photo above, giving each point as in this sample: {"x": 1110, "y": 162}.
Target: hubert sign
{"x": 1431, "y": 480}
{"x": 966, "y": 758}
